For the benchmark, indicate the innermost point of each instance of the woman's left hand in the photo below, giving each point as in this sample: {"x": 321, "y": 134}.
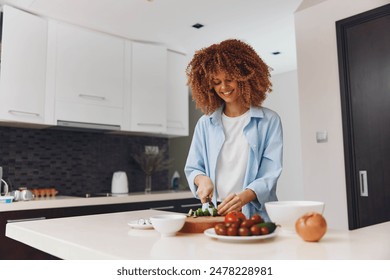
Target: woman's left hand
{"x": 234, "y": 202}
{"x": 231, "y": 203}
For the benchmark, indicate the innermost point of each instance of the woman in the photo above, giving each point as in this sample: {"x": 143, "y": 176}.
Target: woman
{"x": 236, "y": 151}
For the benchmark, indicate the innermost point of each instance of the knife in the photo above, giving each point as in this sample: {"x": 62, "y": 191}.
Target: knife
{"x": 209, "y": 205}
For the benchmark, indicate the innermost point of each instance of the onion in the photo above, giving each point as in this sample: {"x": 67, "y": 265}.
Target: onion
{"x": 311, "y": 226}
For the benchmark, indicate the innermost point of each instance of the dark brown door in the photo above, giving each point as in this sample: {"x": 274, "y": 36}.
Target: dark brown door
{"x": 364, "y": 64}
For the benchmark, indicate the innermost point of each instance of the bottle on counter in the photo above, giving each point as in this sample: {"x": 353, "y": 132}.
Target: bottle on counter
{"x": 175, "y": 181}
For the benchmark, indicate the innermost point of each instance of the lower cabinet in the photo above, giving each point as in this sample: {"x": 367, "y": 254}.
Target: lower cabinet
{"x": 14, "y": 250}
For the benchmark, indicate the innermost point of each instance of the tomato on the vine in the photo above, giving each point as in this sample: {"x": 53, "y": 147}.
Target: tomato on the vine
{"x": 234, "y": 216}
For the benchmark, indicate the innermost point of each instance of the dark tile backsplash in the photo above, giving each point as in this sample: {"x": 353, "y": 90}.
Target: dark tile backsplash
{"x": 74, "y": 162}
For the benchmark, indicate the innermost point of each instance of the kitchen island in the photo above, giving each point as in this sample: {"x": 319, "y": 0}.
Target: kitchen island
{"x": 68, "y": 206}
{"x": 108, "y": 236}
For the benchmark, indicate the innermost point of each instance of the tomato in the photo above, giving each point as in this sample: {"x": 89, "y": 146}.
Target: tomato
{"x": 244, "y": 231}
{"x": 234, "y": 216}
{"x": 232, "y": 231}
{"x": 233, "y": 224}
{"x": 255, "y": 230}
{"x": 247, "y": 223}
{"x": 257, "y": 219}
{"x": 264, "y": 230}
{"x": 220, "y": 229}
{"x": 241, "y": 216}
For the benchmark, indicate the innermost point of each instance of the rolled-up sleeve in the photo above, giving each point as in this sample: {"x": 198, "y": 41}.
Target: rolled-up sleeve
{"x": 195, "y": 164}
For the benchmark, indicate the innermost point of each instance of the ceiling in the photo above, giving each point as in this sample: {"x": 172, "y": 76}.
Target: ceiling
{"x": 268, "y": 25}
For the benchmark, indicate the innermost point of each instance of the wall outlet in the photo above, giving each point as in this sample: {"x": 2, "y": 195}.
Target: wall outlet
{"x": 151, "y": 150}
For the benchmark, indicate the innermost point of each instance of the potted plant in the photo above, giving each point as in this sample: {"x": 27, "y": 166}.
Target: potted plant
{"x": 151, "y": 161}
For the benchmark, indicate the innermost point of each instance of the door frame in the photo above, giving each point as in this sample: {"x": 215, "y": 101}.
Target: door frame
{"x": 352, "y": 182}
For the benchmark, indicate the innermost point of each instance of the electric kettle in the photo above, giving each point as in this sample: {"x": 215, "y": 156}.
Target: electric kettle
{"x": 5, "y": 190}
{"x": 119, "y": 184}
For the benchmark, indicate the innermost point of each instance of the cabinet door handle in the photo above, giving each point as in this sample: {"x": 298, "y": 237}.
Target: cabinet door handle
{"x": 150, "y": 124}
{"x": 95, "y": 97}
{"x": 363, "y": 183}
{"x": 26, "y": 220}
{"x": 16, "y": 112}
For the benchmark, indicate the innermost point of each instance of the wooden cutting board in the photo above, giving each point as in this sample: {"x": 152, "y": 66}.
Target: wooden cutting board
{"x": 200, "y": 224}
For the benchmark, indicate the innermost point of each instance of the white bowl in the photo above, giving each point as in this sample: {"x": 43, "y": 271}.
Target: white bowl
{"x": 168, "y": 224}
{"x": 286, "y": 213}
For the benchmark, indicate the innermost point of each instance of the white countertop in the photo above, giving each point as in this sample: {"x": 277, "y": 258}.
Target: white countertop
{"x": 73, "y": 201}
{"x": 108, "y": 236}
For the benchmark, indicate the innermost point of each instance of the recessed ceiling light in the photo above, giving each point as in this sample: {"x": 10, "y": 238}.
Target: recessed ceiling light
{"x": 276, "y": 53}
{"x": 197, "y": 25}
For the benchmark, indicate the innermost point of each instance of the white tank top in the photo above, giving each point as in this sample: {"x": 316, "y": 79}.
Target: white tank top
{"x": 233, "y": 158}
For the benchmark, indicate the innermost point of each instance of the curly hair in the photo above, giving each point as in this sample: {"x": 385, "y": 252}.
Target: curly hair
{"x": 238, "y": 60}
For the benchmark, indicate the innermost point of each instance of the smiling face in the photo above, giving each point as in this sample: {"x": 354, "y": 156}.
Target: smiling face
{"x": 227, "y": 89}
{"x": 241, "y": 62}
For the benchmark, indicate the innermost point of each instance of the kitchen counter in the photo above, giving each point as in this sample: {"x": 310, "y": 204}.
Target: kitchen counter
{"x": 72, "y": 201}
{"x": 108, "y": 236}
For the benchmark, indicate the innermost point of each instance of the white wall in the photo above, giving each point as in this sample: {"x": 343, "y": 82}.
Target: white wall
{"x": 319, "y": 101}
{"x": 284, "y": 100}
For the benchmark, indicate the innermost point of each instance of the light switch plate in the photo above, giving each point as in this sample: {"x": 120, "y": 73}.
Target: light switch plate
{"x": 322, "y": 136}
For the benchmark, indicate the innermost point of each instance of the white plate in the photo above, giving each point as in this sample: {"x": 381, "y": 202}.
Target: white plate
{"x": 211, "y": 233}
{"x": 138, "y": 224}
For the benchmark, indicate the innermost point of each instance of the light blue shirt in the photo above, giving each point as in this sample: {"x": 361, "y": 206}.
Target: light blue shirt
{"x": 265, "y": 138}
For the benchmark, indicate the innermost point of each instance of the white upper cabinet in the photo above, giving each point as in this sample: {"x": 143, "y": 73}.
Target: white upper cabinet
{"x": 177, "y": 114}
{"x": 148, "y": 111}
{"x": 54, "y": 72}
{"x": 89, "y": 75}
{"x": 23, "y": 67}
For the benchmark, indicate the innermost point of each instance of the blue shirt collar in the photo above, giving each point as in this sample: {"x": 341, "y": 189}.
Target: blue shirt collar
{"x": 254, "y": 112}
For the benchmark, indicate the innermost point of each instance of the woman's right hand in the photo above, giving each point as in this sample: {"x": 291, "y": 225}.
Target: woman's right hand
{"x": 205, "y": 187}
